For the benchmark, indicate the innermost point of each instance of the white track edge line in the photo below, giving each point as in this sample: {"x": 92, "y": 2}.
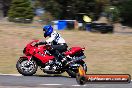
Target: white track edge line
{"x": 11, "y": 74}
{"x": 52, "y": 84}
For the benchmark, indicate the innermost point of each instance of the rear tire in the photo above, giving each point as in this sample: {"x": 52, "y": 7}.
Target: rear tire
{"x": 73, "y": 74}
{"x": 26, "y": 69}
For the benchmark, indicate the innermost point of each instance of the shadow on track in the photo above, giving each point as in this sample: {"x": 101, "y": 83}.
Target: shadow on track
{"x": 62, "y": 76}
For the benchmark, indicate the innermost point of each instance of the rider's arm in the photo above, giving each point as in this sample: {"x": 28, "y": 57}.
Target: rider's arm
{"x": 41, "y": 43}
{"x": 51, "y": 38}
{"x": 48, "y": 40}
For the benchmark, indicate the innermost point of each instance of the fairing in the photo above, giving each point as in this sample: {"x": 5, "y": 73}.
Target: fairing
{"x": 38, "y": 52}
{"x": 74, "y": 50}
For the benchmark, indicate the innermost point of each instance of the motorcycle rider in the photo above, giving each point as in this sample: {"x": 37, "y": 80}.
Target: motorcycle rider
{"x": 58, "y": 43}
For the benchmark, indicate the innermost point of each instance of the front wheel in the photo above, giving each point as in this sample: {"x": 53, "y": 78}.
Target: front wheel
{"x": 25, "y": 67}
{"x": 72, "y": 73}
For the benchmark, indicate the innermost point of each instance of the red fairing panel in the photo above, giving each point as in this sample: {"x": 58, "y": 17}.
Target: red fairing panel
{"x": 44, "y": 58}
{"x": 38, "y": 52}
{"x": 73, "y": 50}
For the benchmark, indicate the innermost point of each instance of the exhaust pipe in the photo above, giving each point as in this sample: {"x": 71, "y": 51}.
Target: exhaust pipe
{"x": 77, "y": 59}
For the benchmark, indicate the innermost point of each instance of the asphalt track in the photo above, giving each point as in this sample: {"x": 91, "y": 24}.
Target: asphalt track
{"x": 46, "y": 81}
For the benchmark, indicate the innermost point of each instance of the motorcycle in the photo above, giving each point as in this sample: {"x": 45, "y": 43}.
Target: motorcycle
{"x": 40, "y": 56}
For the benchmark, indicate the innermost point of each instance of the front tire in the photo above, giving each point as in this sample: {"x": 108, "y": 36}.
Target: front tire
{"x": 25, "y": 67}
{"x": 72, "y": 73}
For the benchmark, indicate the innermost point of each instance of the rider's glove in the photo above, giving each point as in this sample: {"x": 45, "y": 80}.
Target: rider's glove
{"x": 36, "y": 44}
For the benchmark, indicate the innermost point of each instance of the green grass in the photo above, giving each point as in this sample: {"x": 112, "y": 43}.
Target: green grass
{"x": 106, "y": 53}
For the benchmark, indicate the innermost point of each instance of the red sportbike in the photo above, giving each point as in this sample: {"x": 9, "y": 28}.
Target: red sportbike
{"x": 40, "y": 56}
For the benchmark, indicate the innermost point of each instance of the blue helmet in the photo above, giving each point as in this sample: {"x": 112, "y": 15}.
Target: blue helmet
{"x": 48, "y": 30}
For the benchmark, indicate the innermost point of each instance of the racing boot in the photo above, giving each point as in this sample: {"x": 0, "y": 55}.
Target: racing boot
{"x": 64, "y": 61}
{"x": 60, "y": 57}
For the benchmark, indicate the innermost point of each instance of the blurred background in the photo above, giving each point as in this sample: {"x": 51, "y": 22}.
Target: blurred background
{"x": 103, "y": 27}
{"x": 69, "y": 14}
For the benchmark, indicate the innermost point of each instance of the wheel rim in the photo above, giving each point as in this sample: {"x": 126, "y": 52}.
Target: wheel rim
{"x": 27, "y": 66}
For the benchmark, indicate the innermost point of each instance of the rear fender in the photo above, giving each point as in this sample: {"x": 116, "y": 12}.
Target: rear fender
{"x": 74, "y": 50}
{"x": 83, "y": 48}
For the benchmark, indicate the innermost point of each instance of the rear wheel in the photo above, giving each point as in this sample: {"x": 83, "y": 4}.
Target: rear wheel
{"x": 25, "y": 67}
{"x": 72, "y": 73}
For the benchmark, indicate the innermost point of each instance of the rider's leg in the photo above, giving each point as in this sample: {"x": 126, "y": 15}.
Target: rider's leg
{"x": 56, "y": 52}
